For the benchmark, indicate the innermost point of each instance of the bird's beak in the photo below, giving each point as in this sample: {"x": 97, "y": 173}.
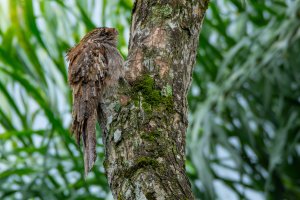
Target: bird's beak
{"x": 116, "y": 32}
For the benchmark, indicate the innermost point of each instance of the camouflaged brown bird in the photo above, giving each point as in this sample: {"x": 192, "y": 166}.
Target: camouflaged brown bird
{"x": 95, "y": 65}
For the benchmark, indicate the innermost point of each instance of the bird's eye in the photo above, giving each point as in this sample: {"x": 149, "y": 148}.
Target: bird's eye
{"x": 102, "y": 33}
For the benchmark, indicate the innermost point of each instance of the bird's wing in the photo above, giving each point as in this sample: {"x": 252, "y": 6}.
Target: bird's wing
{"x": 85, "y": 74}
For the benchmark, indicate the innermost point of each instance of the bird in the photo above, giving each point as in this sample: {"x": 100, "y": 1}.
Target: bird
{"x": 95, "y": 66}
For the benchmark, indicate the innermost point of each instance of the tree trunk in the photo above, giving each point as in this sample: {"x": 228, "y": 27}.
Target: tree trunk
{"x": 144, "y": 120}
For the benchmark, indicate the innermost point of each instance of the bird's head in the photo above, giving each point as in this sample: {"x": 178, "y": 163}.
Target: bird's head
{"x": 102, "y": 35}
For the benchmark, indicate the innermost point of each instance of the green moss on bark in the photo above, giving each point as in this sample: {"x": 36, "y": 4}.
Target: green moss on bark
{"x": 152, "y": 98}
{"x": 146, "y": 161}
{"x": 152, "y": 136}
{"x": 161, "y": 12}
{"x": 119, "y": 197}
{"x": 141, "y": 162}
{"x": 150, "y": 196}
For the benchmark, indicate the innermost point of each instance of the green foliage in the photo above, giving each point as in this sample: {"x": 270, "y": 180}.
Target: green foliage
{"x": 244, "y": 133}
{"x": 38, "y": 157}
{"x": 244, "y": 103}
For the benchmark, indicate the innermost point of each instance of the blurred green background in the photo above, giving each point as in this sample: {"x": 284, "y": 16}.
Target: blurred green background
{"x": 243, "y": 139}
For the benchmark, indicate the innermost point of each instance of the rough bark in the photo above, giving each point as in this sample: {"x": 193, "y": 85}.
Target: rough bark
{"x": 144, "y": 120}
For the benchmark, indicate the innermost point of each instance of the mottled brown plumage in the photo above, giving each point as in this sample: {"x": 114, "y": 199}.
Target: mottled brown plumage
{"x": 95, "y": 65}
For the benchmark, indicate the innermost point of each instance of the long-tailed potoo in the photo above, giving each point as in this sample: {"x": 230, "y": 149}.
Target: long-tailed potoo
{"x": 95, "y": 65}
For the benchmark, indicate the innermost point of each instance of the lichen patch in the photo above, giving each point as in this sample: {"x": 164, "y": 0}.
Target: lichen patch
{"x": 117, "y": 136}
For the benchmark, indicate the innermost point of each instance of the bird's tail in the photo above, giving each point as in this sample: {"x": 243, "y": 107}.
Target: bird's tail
{"x": 89, "y": 143}
{"x": 84, "y": 121}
